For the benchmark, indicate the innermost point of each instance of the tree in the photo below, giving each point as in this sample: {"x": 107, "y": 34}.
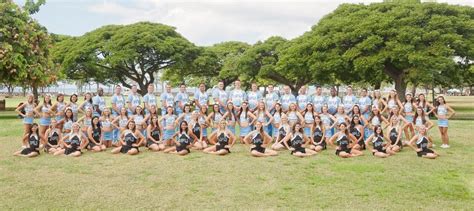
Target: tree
{"x": 24, "y": 47}
{"x": 406, "y": 42}
{"x": 214, "y": 63}
{"x": 126, "y": 53}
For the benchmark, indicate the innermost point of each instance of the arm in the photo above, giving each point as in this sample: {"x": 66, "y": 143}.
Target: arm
{"x": 19, "y": 108}
{"x": 452, "y": 112}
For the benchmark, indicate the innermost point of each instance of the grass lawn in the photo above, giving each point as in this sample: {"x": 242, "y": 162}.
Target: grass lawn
{"x": 239, "y": 181}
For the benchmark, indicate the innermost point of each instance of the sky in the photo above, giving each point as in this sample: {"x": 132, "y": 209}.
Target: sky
{"x": 204, "y": 22}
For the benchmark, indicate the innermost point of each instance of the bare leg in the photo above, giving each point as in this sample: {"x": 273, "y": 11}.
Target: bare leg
{"x": 116, "y": 150}
{"x": 132, "y": 151}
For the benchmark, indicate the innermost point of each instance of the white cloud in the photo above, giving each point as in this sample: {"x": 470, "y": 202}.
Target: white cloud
{"x": 208, "y": 22}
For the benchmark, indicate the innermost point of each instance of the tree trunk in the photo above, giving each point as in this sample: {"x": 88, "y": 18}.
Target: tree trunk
{"x": 413, "y": 90}
{"x": 35, "y": 93}
{"x": 401, "y": 87}
{"x": 378, "y": 85}
{"x": 10, "y": 89}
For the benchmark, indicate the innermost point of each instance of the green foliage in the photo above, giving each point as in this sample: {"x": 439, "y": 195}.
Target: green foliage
{"x": 135, "y": 52}
{"x": 24, "y": 47}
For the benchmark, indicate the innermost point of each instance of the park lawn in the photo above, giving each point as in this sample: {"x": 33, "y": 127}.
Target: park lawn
{"x": 237, "y": 181}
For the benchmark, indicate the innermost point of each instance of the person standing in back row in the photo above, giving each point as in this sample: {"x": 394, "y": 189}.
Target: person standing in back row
{"x": 149, "y": 99}
{"x": 98, "y": 103}
{"x": 287, "y": 98}
{"x": 167, "y": 100}
{"x": 254, "y": 97}
{"x": 133, "y": 100}
{"x": 237, "y": 96}
{"x": 201, "y": 98}
{"x": 182, "y": 98}
{"x": 333, "y": 101}
{"x": 220, "y": 96}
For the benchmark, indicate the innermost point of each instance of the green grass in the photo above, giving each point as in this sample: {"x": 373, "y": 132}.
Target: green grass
{"x": 238, "y": 181}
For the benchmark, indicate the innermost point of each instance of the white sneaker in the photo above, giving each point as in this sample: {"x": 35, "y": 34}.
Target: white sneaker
{"x": 433, "y": 145}
{"x": 444, "y": 146}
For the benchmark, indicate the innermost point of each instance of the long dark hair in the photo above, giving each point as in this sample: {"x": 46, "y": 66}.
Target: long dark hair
{"x": 90, "y": 100}
{"x": 346, "y": 131}
{"x": 372, "y": 115}
{"x": 424, "y": 100}
{"x": 279, "y": 112}
{"x": 153, "y": 125}
{"x": 306, "y": 110}
{"x": 412, "y": 99}
{"x": 94, "y": 126}
{"x": 65, "y": 114}
{"x": 134, "y": 126}
{"x": 44, "y": 100}
{"x": 423, "y": 115}
{"x": 294, "y": 126}
{"x": 353, "y": 124}
{"x": 241, "y": 111}
{"x": 353, "y": 113}
{"x": 30, "y": 132}
{"x": 70, "y": 98}
{"x": 181, "y": 129}
{"x": 231, "y": 111}
{"x": 437, "y": 103}
{"x": 375, "y": 131}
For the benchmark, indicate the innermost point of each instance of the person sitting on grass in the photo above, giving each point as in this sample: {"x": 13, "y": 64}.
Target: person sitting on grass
{"x": 73, "y": 142}
{"x": 130, "y": 140}
{"x": 259, "y": 140}
{"x": 183, "y": 140}
{"x": 379, "y": 144}
{"x": 422, "y": 141}
{"x": 295, "y": 141}
{"x": 345, "y": 142}
{"x": 32, "y": 142}
{"x": 222, "y": 139}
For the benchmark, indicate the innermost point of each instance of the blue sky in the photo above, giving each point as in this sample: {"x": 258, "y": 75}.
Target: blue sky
{"x": 203, "y": 22}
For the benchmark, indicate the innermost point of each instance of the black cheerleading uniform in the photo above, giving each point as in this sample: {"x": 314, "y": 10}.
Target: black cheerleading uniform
{"x": 96, "y": 132}
{"x": 155, "y": 134}
{"x": 129, "y": 139}
{"x": 184, "y": 140}
{"x": 257, "y": 140}
{"x": 33, "y": 142}
{"x": 318, "y": 136}
{"x": 343, "y": 143}
{"x": 377, "y": 143}
{"x": 197, "y": 130}
{"x": 53, "y": 139}
{"x": 355, "y": 132}
{"x": 74, "y": 142}
{"x": 282, "y": 134}
{"x": 222, "y": 141}
{"x": 297, "y": 143}
{"x": 394, "y": 136}
{"x": 422, "y": 144}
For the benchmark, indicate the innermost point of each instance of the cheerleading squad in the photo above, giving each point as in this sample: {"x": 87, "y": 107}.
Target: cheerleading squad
{"x": 303, "y": 124}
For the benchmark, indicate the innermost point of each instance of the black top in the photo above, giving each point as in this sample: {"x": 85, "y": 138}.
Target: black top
{"x": 296, "y": 141}
{"x": 54, "y": 138}
{"x": 222, "y": 139}
{"x": 317, "y": 135}
{"x": 130, "y": 139}
{"x": 343, "y": 142}
{"x": 257, "y": 140}
{"x": 33, "y": 142}
{"x": 184, "y": 139}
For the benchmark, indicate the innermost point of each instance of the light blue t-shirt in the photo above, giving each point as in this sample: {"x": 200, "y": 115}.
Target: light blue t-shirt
{"x": 253, "y": 99}
{"x": 201, "y": 97}
{"x": 286, "y": 100}
{"x": 220, "y": 95}
{"x": 333, "y": 103}
{"x": 119, "y": 102}
{"x": 182, "y": 97}
{"x": 319, "y": 101}
{"x": 271, "y": 98}
{"x": 167, "y": 99}
{"x": 365, "y": 103}
{"x": 348, "y": 102}
{"x": 237, "y": 96}
{"x": 150, "y": 98}
{"x": 99, "y": 101}
{"x": 303, "y": 100}
{"x": 134, "y": 99}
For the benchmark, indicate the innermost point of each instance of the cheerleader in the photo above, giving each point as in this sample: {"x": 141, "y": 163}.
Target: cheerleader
{"x": 120, "y": 122}
{"x": 197, "y": 128}
{"x": 87, "y": 104}
{"x": 118, "y": 102}
{"x": 408, "y": 113}
{"x": 333, "y": 101}
{"x": 254, "y": 96}
{"x": 74, "y": 107}
{"x": 378, "y": 101}
{"x": 154, "y": 138}
{"x": 169, "y": 122}
{"x": 237, "y": 96}
{"x": 245, "y": 120}
{"x": 356, "y": 111}
{"x": 365, "y": 102}
{"x": 215, "y": 117}
{"x": 133, "y": 100}
{"x": 229, "y": 116}
{"x": 185, "y": 114}
{"x": 396, "y": 112}
{"x": 201, "y": 98}
{"x": 222, "y": 139}
{"x": 317, "y": 135}
{"x": 294, "y": 116}
{"x": 181, "y": 99}
{"x": 395, "y": 134}
{"x": 72, "y": 142}
{"x": 357, "y": 130}
{"x": 420, "y": 143}
{"x": 421, "y": 102}
{"x": 203, "y": 122}
{"x": 259, "y": 140}
{"x": 421, "y": 120}
{"x": 27, "y": 112}
{"x": 58, "y": 109}
{"x": 67, "y": 121}
{"x": 130, "y": 140}
{"x": 107, "y": 128}
{"x": 379, "y": 143}
{"x": 54, "y": 135}
{"x": 149, "y": 99}
{"x": 308, "y": 116}
{"x": 31, "y": 141}
{"x": 45, "y": 111}
{"x": 297, "y": 140}
{"x": 329, "y": 122}
{"x": 349, "y": 101}
{"x": 152, "y": 111}
{"x": 341, "y": 116}
{"x": 86, "y": 120}
{"x": 276, "y": 114}
{"x": 344, "y": 141}
{"x": 443, "y": 112}
{"x": 375, "y": 119}
{"x": 94, "y": 135}
{"x": 393, "y": 101}
{"x": 140, "y": 120}
{"x": 302, "y": 100}
{"x": 183, "y": 139}
{"x": 281, "y": 132}
{"x": 262, "y": 115}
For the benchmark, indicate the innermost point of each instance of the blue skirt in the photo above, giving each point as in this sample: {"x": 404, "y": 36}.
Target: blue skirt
{"x": 244, "y": 131}
{"x": 168, "y": 134}
{"x": 409, "y": 118}
{"x": 307, "y": 131}
{"x": 108, "y": 136}
{"x": 442, "y": 123}
{"x": 232, "y": 129}
{"x": 28, "y": 120}
{"x": 115, "y": 135}
{"x": 45, "y": 121}
{"x": 328, "y": 133}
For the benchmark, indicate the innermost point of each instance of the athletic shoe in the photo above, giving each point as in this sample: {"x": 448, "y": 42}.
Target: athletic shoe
{"x": 444, "y": 146}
